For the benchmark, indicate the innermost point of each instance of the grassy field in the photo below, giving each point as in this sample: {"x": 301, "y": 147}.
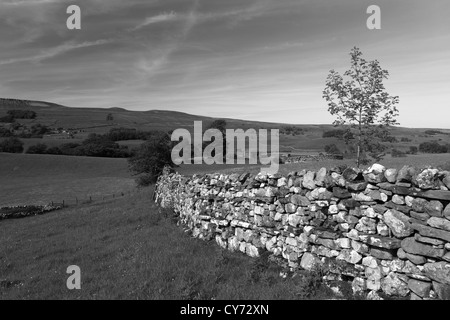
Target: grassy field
{"x": 127, "y": 249}
{"x": 40, "y": 179}
{"x": 419, "y": 160}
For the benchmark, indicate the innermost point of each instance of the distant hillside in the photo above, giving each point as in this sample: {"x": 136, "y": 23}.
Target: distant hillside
{"x": 80, "y": 118}
{"x": 307, "y": 138}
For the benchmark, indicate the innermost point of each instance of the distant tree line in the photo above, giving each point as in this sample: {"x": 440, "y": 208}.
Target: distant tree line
{"x": 118, "y": 134}
{"x": 12, "y": 115}
{"x": 98, "y": 145}
{"x": 94, "y": 146}
{"x": 337, "y": 133}
{"x": 397, "y": 153}
{"x": 36, "y": 131}
{"x": 5, "y": 133}
{"x": 11, "y": 145}
{"x": 22, "y": 114}
{"x": 332, "y": 149}
{"x": 292, "y": 130}
{"x": 434, "y": 147}
{"x": 346, "y": 134}
{"x": 425, "y": 147}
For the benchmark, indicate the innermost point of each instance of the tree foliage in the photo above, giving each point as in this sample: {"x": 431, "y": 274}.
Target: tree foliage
{"x": 11, "y": 145}
{"x": 149, "y": 160}
{"x": 40, "y": 148}
{"x": 220, "y": 125}
{"x": 22, "y": 114}
{"x": 362, "y": 105}
{"x": 338, "y": 133}
{"x": 412, "y": 150}
{"x": 5, "y": 133}
{"x": 95, "y": 145}
{"x": 118, "y": 134}
{"x": 396, "y": 153}
{"x": 332, "y": 149}
{"x": 433, "y": 147}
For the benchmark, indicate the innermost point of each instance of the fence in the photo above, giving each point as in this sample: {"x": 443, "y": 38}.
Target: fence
{"x": 75, "y": 201}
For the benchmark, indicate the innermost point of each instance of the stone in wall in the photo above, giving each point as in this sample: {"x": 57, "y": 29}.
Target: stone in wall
{"x": 398, "y": 223}
{"x": 438, "y": 271}
{"x": 420, "y": 288}
{"x": 431, "y": 232}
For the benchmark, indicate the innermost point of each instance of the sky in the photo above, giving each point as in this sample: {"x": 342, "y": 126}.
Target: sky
{"x": 264, "y": 60}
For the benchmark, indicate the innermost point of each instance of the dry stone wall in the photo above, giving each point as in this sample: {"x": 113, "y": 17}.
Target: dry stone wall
{"x": 304, "y": 158}
{"x": 385, "y": 230}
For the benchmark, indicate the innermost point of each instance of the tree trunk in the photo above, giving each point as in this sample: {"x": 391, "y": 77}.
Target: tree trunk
{"x": 358, "y": 155}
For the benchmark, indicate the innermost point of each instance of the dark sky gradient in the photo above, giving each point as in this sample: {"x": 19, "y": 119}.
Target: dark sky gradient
{"x": 251, "y": 59}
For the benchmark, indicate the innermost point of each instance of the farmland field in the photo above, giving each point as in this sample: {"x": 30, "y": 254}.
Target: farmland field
{"x": 126, "y": 249}
{"x": 419, "y": 160}
{"x": 40, "y": 179}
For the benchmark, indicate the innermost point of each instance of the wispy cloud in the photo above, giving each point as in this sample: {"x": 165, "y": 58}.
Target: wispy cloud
{"x": 171, "y": 16}
{"x": 235, "y": 16}
{"x": 257, "y": 9}
{"x": 53, "y": 52}
{"x": 152, "y": 66}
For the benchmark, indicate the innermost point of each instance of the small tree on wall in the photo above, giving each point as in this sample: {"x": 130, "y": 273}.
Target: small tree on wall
{"x": 362, "y": 106}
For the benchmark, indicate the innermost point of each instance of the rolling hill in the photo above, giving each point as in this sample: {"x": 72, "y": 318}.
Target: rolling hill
{"x": 95, "y": 120}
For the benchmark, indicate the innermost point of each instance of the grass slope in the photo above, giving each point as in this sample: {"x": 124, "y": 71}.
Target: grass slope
{"x": 419, "y": 160}
{"x": 127, "y": 250}
{"x": 40, "y": 179}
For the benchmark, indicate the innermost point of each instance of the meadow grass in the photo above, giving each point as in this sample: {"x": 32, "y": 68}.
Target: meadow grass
{"x": 418, "y": 160}
{"x": 129, "y": 249}
{"x": 40, "y": 179}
